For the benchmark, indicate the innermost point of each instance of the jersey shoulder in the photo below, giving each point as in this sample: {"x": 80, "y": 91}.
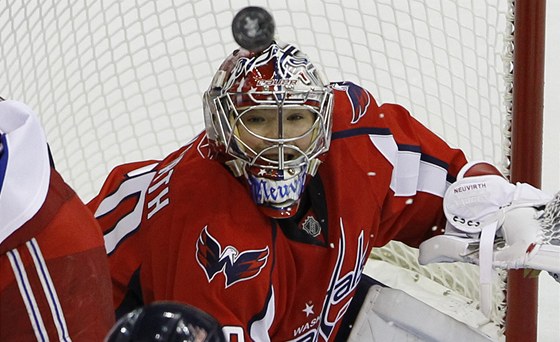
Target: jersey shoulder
{"x": 353, "y": 106}
{"x": 186, "y": 181}
{"x": 356, "y": 107}
{"x": 357, "y": 112}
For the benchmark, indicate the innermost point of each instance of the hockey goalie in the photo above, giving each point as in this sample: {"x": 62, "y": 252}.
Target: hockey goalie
{"x": 267, "y": 218}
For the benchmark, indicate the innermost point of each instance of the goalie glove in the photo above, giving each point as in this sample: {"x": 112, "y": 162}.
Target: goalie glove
{"x": 494, "y": 223}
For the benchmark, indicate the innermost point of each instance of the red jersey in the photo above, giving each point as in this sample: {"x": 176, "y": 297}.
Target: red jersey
{"x": 54, "y": 275}
{"x": 185, "y": 229}
{"x": 55, "y": 281}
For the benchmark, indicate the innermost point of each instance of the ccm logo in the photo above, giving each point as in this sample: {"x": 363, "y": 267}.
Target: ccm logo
{"x": 463, "y": 221}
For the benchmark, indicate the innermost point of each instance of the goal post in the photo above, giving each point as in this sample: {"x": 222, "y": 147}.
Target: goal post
{"x": 120, "y": 81}
{"x": 526, "y": 156}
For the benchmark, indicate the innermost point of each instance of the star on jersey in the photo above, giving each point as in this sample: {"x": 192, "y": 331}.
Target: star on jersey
{"x": 308, "y": 309}
{"x": 236, "y": 266}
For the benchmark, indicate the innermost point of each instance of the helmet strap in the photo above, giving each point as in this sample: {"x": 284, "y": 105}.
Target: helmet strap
{"x": 313, "y": 166}
{"x": 237, "y": 167}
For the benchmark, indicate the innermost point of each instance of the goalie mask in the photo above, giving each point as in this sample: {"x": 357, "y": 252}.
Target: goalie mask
{"x": 268, "y": 115}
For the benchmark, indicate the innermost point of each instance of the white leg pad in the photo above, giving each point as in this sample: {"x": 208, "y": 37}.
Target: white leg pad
{"x": 392, "y": 315}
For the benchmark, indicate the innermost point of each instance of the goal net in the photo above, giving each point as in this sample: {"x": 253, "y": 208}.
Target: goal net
{"x": 119, "y": 81}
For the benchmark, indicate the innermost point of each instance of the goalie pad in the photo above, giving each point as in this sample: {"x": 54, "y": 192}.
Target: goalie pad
{"x": 393, "y": 315}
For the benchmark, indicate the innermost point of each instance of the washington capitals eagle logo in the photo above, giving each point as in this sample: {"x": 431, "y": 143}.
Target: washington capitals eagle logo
{"x": 236, "y": 266}
{"x": 360, "y": 99}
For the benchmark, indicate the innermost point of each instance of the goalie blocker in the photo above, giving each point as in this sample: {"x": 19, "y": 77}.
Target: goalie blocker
{"x": 493, "y": 223}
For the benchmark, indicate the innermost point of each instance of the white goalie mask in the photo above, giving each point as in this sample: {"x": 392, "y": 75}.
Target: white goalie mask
{"x": 268, "y": 116}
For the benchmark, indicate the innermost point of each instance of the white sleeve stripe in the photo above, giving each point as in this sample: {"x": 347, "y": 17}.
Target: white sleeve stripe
{"x": 27, "y": 296}
{"x": 433, "y": 179}
{"x": 49, "y": 289}
{"x": 387, "y": 146}
{"x": 136, "y": 186}
{"x": 406, "y": 171}
{"x": 410, "y": 173}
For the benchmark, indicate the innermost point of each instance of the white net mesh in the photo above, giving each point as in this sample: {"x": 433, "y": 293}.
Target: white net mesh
{"x": 118, "y": 81}
{"x": 549, "y": 219}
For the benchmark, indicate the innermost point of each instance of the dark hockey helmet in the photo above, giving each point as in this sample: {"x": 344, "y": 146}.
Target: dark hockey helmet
{"x": 166, "y": 322}
{"x": 268, "y": 115}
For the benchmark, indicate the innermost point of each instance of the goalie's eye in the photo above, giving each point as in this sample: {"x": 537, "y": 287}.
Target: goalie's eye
{"x": 297, "y": 116}
{"x": 265, "y": 122}
{"x": 254, "y": 120}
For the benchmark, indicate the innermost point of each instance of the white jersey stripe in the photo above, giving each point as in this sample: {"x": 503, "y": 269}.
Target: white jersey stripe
{"x": 27, "y": 296}
{"x": 433, "y": 179}
{"x": 138, "y": 186}
{"x": 259, "y": 328}
{"x": 49, "y": 289}
{"x": 410, "y": 173}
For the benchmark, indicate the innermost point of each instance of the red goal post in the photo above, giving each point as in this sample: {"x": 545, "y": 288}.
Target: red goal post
{"x": 118, "y": 81}
{"x": 526, "y": 155}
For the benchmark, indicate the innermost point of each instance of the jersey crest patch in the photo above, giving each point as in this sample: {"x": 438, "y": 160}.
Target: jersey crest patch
{"x": 359, "y": 98}
{"x": 311, "y": 226}
{"x": 236, "y": 266}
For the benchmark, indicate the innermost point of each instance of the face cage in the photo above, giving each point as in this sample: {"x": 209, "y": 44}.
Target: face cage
{"x": 275, "y": 185}
{"x": 229, "y": 118}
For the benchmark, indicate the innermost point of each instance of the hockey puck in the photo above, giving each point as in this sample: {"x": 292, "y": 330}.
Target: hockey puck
{"x": 253, "y": 28}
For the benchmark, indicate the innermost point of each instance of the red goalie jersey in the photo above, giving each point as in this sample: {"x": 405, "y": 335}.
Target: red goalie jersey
{"x": 185, "y": 229}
